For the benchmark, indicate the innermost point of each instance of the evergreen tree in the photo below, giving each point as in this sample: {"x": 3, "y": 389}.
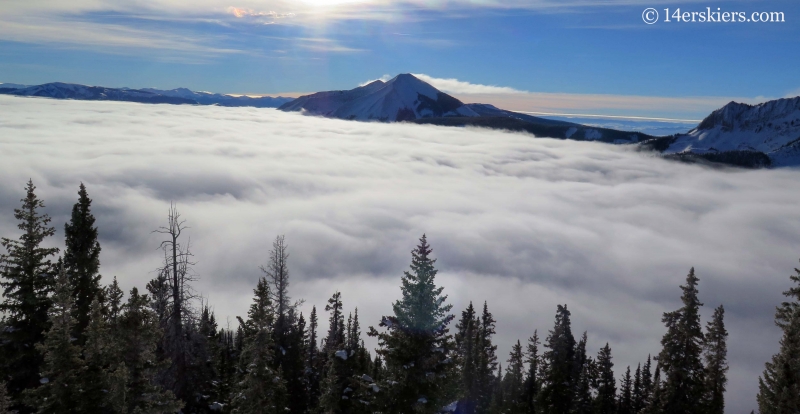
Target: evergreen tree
{"x": 637, "y": 397}
{"x": 82, "y": 260}
{"x": 417, "y": 347}
{"x": 313, "y": 360}
{"x": 715, "y": 355}
{"x": 647, "y": 381}
{"x": 654, "y": 403}
{"x": 626, "y": 394}
{"x": 680, "y": 358}
{"x": 139, "y": 333}
{"x": 59, "y": 392}
{"x": 606, "y": 400}
{"x": 583, "y": 401}
{"x": 261, "y": 389}
{"x": 114, "y": 296}
{"x": 514, "y": 382}
{"x": 485, "y": 360}
{"x": 27, "y": 277}
{"x": 102, "y": 385}
{"x": 779, "y": 388}
{"x": 558, "y": 380}
{"x": 532, "y": 379}
{"x": 465, "y": 343}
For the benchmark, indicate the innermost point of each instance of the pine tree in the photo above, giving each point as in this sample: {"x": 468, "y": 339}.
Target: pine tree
{"x": 261, "y": 389}
{"x": 680, "y": 357}
{"x": 417, "y": 347}
{"x": 103, "y": 390}
{"x": 532, "y": 379}
{"x": 654, "y": 404}
{"x": 558, "y": 380}
{"x": 514, "y": 382}
{"x": 139, "y": 333}
{"x": 637, "y": 397}
{"x": 27, "y": 277}
{"x": 82, "y": 260}
{"x": 625, "y": 405}
{"x": 606, "y": 400}
{"x": 114, "y": 296}
{"x": 465, "y": 342}
{"x": 715, "y": 355}
{"x": 485, "y": 360}
{"x": 779, "y": 388}
{"x": 647, "y": 381}
{"x": 313, "y": 360}
{"x": 584, "y": 376}
{"x": 62, "y": 366}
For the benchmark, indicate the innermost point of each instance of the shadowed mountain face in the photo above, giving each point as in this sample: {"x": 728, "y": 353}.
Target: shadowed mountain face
{"x": 404, "y": 98}
{"x": 769, "y": 130}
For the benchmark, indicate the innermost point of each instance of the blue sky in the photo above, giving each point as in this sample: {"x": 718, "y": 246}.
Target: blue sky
{"x": 598, "y": 56}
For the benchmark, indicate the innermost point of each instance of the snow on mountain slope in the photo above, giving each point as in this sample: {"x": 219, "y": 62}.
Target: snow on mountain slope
{"x": 59, "y": 90}
{"x": 772, "y": 128}
{"x": 208, "y": 98}
{"x": 403, "y": 98}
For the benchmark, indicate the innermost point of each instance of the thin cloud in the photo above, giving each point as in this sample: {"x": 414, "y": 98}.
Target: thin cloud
{"x": 460, "y": 87}
{"x": 520, "y": 222}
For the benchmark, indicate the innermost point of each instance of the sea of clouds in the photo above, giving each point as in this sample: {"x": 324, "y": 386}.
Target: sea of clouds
{"x": 520, "y": 222}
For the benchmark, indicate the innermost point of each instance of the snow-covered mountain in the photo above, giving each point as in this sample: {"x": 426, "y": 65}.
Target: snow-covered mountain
{"x": 772, "y": 128}
{"x": 59, "y": 90}
{"x": 403, "y": 98}
{"x": 209, "y": 98}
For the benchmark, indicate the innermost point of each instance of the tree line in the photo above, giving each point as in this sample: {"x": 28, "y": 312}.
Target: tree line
{"x": 71, "y": 344}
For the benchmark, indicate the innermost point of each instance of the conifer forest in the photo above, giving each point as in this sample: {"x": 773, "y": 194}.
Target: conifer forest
{"x": 73, "y": 342}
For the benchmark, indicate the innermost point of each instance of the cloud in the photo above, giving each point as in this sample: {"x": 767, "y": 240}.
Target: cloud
{"x": 629, "y": 106}
{"x": 460, "y": 87}
{"x": 520, "y": 222}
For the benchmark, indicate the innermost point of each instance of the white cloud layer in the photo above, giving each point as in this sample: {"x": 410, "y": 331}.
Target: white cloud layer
{"x": 520, "y": 222}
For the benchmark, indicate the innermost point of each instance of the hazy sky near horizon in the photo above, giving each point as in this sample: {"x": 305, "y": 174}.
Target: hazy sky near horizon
{"x": 520, "y": 222}
{"x": 568, "y": 55}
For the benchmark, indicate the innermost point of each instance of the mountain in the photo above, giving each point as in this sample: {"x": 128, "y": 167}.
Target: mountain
{"x": 59, "y": 90}
{"x": 769, "y": 130}
{"x": 208, "y": 98}
{"x": 403, "y": 98}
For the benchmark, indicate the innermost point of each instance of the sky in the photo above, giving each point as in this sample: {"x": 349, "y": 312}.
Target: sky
{"x": 552, "y": 56}
{"x": 522, "y": 223}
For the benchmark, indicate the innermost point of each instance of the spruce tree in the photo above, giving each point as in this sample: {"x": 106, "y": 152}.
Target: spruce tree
{"x": 102, "y": 381}
{"x": 416, "y": 346}
{"x": 313, "y": 360}
{"x": 59, "y": 392}
{"x": 261, "y": 388}
{"x": 485, "y": 360}
{"x": 716, "y": 362}
{"x": 647, "y": 381}
{"x": 606, "y": 400}
{"x": 465, "y": 342}
{"x": 514, "y": 382}
{"x": 637, "y": 394}
{"x": 654, "y": 403}
{"x": 27, "y": 277}
{"x": 113, "y": 296}
{"x": 532, "y": 379}
{"x": 557, "y": 390}
{"x": 681, "y": 356}
{"x": 584, "y": 377}
{"x": 139, "y": 334}
{"x": 82, "y": 260}
{"x": 779, "y": 388}
{"x": 625, "y": 405}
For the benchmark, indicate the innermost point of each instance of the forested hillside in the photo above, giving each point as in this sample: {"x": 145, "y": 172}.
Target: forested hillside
{"x": 75, "y": 343}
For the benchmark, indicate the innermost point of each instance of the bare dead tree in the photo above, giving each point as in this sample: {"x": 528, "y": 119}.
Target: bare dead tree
{"x": 277, "y": 272}
{"x": 177, "y": 271}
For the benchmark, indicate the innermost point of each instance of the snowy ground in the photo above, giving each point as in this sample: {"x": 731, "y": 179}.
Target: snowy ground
{"x": 522, "y": 223}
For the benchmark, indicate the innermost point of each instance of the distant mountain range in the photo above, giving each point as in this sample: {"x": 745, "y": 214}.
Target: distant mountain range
{"x": 738, "y": 134}
{"x": 59, "y": 90}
